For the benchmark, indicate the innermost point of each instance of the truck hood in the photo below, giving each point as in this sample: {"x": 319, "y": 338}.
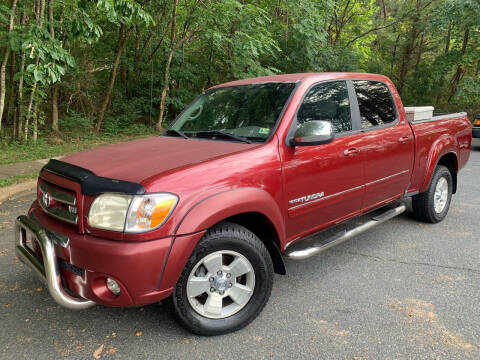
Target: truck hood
{"x": 141, "y": 159}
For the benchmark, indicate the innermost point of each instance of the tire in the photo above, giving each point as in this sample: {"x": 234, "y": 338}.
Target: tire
{"x": 424, "y": 204}
{"x": 239, "y": 251}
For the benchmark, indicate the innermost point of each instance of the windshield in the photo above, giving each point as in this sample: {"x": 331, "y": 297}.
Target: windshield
{"x": 247, "y": 112}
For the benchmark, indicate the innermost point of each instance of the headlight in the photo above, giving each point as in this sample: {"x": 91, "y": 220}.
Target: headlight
{"x": 131, "y": 214}
{"x": 109, "y": 211}
{"x": 148, "y": 212}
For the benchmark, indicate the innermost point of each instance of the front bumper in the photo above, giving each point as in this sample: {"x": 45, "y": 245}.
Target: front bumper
{"x": 79, "y": 264}
{"x": 476, "y": 132}
{"x": 48, "y": 269}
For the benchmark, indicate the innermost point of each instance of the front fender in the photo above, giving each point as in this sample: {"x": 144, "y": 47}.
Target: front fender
{"x": 211, "y": 210}
{"x": 443, "y": 145}
{"x": 215, "y": 208}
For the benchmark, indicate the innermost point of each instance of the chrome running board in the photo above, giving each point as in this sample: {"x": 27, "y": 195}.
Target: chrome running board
{"x": 305, "y": 249}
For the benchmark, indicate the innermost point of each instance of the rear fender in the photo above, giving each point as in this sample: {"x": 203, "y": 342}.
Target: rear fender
{"x": 442, "y": 146}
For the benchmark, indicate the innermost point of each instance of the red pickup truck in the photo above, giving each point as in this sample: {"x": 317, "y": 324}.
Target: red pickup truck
{"x": 245, "y": 176}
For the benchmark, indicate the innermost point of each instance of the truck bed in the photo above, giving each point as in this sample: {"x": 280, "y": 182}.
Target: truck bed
{"x": 451, "y": 130}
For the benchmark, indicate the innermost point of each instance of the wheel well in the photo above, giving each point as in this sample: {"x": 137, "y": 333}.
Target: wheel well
{"x": 261, "y": 226}
{"x": 450, "y": 161}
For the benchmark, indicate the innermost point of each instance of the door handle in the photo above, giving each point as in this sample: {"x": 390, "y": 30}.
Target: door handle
{"x": 404, "y": 140}
{"x": 351, "y": 152}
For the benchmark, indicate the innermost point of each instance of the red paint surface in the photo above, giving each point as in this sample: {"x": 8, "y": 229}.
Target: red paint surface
{"x": 218, "y": 179}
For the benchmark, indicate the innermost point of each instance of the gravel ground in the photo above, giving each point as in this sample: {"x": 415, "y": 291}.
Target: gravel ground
{"x": 404, "y": 290}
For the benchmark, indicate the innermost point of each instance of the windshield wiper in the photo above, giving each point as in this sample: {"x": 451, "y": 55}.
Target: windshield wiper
{"x": 175, "y": 132}
{"x": 223, "y": 134}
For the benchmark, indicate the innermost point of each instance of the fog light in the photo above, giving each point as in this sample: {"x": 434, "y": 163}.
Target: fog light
{"x": 113, "y": 286}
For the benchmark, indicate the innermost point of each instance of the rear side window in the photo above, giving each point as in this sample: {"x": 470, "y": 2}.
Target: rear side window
{"x": 329, "y": 102}
{"x": 375, "y": 103}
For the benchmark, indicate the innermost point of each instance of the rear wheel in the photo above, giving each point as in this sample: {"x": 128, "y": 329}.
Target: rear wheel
{"x": 432, "y": 205}
{"x": 226, "y": 282}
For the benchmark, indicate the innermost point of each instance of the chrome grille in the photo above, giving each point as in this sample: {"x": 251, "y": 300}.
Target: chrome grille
{"x": 60, "y": 204}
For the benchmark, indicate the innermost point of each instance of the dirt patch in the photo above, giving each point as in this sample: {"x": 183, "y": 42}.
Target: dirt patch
{"x": 417, "y": 310}
{"x": 9, "y": 191}
{"x": 329, "y": 328}
{"x": 443, "y": 277}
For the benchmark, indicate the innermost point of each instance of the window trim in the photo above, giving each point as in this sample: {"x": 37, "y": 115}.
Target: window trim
{"x": 293, "y": 125}
{"x": 359, "y": 119}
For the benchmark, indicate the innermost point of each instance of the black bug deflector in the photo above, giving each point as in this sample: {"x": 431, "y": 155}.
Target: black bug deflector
{"x": 90, "y": 183}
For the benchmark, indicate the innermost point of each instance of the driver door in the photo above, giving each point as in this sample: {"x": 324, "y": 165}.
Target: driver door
{"x": 324, "y": 183}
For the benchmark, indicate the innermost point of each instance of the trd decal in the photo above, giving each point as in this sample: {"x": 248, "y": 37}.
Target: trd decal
{"x": 306, "y": 198}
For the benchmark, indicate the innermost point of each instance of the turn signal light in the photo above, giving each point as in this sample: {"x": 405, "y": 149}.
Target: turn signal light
{"x": 477, "y": 122}
{"x": 151, "y": 214}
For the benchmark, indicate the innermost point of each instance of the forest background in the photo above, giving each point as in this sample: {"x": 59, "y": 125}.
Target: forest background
{"x": 76, "y": 73}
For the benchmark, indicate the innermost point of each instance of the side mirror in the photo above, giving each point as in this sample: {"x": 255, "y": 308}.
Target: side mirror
{"x": 313, "y": 132}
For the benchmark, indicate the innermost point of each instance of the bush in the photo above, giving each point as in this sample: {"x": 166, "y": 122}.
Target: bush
{"x": 75, "y": 125}
{"x": 125, "y": 124}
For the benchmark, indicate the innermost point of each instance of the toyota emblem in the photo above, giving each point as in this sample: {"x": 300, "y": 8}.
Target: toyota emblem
{"x": 46, "y": 198}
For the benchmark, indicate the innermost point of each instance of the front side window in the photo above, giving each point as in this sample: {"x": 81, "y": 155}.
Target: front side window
{"x": 247, "y": 111}
{"x": 375, "y": 103}
{"x": 328, "y": 102}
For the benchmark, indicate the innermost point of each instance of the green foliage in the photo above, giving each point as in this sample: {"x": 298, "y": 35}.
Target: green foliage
{"x": 49, "y": 146}
{"x": 429, "y": 48}
{"x": 53, "y": 58}
{"x": 75, "y": 124}
{"x": 84, "y": 28}
{"x": 124, "y": 12}
{"x": 17, "y": 179}
{"x": 468, "y": 93}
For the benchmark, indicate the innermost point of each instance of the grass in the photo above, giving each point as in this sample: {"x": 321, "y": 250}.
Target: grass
{"x": 51, "y": 146}
{"x": 18, "y": 179}
{"x": 76, "y": 134}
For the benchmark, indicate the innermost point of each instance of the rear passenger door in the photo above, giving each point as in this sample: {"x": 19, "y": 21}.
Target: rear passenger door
{"x": 387, "y": 144}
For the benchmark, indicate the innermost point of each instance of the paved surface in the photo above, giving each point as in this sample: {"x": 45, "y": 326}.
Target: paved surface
{"x": 405, "y": 290}
{"x": 21, "y": 168}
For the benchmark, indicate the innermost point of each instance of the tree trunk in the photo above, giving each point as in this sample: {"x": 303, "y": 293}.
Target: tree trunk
{"x": 384, "y": 10}
{"x": 420, "y": 51}
{"x": 55, "y": 108}
{"x": 439, "y": 87}
{"x": 394, "y": 54}
{"x": 11, "y": 97}
{"x": 164, "y": 90}
{"x": 30, "y": 108}
{"x": 14, "y": 133}
{"x": 20, "y": 89}
{"x": 447, "y": 40}
{"x": 166, "y": 75}
{"x": 122, "y": 39}
{"x": 35, "y": 123}
{"x": 407, "y": 56}
{"x": 31, "y": 103}
{"x": 460, "y": 68}
{"x": 54, "y": 86}
{"x": 3, "y": 66}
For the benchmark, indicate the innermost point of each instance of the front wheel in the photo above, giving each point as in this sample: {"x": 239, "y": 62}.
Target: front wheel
{"x": 432, "y": 205}
{"x": 226, "y": 282}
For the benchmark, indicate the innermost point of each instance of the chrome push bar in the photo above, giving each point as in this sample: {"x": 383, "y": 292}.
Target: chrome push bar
{"x": 48, "y": 271}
